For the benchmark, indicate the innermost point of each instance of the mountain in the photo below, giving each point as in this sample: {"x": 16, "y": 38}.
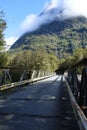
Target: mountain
{"x": 61, "y": 36}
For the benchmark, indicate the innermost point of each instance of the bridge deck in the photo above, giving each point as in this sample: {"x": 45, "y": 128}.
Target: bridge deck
{"x": 40, "y": 106}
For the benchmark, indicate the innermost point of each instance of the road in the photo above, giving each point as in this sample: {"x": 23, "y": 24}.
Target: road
{"x": 43, "y": 105}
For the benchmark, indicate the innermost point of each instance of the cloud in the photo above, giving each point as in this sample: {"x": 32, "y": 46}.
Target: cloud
{"x": 10, "y": 41}
{"x": 75, "y": 7}
{"x": 29, "y": 23}
{"x": 70, "y": 8}
{"x": 33, "y": 22}
{"x": 52, "y": 4}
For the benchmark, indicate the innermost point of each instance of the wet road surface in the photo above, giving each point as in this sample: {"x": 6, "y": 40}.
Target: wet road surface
{"x": 43, "y": 105}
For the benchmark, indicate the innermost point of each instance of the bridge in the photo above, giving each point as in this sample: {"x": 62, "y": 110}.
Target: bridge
{"x": 35, "y": 100}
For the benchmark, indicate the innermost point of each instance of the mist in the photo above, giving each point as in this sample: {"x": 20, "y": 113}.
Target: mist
{"x": 69, "y": 8}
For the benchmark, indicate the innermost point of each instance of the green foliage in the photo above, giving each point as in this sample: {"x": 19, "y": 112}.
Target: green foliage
{"x": 71, "y": 61}
{"x": 2, "y": 27}
{"x": 34, "y": 60}
{"x": 66, "y": 39}
{"x": 3, "y": 58}
{"x": 3, "y": 55}
{"x": 61, "y": 38}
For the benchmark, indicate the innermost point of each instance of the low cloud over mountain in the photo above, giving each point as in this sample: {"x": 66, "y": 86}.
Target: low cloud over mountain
{"x": 60, "y": 9}
{"x": 53, "y": 10}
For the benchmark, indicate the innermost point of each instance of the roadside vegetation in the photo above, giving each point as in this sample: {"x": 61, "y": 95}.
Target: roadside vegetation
{"x": 71, "y": 61}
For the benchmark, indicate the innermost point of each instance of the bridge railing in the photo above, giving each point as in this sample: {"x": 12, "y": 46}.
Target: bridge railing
{"x": 78, "y": 84}
{"x": 83, "y": 89}
{"x": 74, "y": 82}
{"x": 12, "y": 77}
{"x": 77, "y": 88}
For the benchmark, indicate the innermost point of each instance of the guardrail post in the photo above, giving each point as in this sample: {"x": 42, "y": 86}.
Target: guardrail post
{"x": 33, "y": 74}
{"x": 76, "y": 85}
{"x": 6, "y": 76}
{"x": 39, "y": 72}
{"x": 22, "y": 75}
{"x": 83, "y": 88}
{"x": 73, "y": 82}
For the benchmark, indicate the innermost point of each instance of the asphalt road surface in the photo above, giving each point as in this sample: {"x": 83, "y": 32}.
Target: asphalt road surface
{"x": 44, "y": 105}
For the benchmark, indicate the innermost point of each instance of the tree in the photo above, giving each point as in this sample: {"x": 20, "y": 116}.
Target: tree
{"x": 2, "y": 28}
{"x": 3, "y": 55}
{"x": 35, "y": 60}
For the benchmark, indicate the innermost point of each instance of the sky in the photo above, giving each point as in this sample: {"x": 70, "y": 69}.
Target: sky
{"x": 23, "y": 15}
{"x": 16, "y": 12}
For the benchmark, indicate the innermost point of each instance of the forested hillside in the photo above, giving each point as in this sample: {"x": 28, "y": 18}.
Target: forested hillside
{"x": 47, "y": 48}
{"x": 61, "y": 37}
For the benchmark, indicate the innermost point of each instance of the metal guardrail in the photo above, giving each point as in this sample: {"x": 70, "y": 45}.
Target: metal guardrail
{"x": 81, "y": 118}
{"x": 13, "y": 77}
{"x": 74, "y": 82}
{"x": 78, "y": 87}
{"x": 78, "y": 95}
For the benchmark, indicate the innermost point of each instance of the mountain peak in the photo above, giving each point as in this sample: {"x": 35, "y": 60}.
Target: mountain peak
{"x": 51, "y": 5}
{"x": 54, "y": 11}
{"x": 58, "y": 37}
